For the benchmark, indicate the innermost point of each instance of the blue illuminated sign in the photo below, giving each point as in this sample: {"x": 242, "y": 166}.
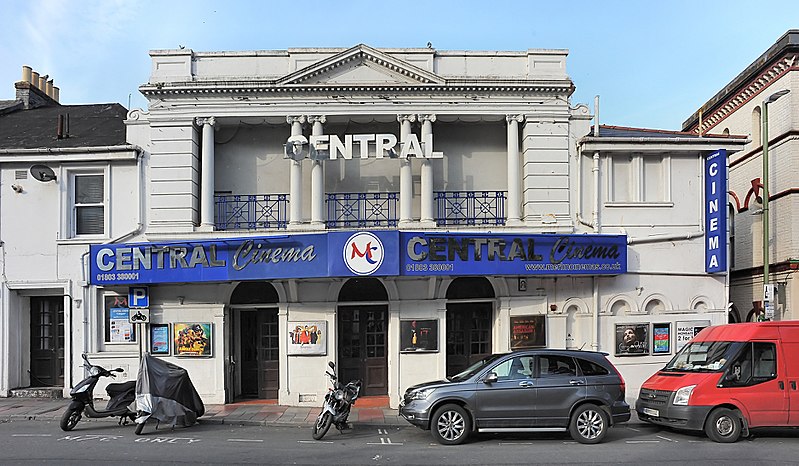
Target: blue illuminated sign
{"x": 716, "y": 212}
{"x": 476, "y": 254}
{"x": 357, "y": 253}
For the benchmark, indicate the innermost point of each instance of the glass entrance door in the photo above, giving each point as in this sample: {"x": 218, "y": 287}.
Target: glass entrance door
{"x": 260, "y": 364}
{"x": 468, "y": 334}
{"x": 362, "y": 351}
{"x": 47, "y": 341}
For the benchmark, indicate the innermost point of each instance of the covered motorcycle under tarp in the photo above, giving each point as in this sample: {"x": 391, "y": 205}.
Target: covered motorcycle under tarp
{"x": 164, "y": 392}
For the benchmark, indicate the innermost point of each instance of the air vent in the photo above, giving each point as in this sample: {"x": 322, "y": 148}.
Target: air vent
{"x": 307, "y": 397}
{"x": 20, "y": 174}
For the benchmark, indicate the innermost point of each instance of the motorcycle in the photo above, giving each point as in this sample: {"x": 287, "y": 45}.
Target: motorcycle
{"x": 338, "y": 403}
{"x": 121, "y": 394}
{"x": 164, "y": 392}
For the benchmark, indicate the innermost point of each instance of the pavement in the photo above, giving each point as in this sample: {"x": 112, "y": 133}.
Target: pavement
{"x": 247, "y": 413}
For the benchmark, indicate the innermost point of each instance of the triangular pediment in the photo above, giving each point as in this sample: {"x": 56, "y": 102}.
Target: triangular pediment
{"x": 361, "y": 65}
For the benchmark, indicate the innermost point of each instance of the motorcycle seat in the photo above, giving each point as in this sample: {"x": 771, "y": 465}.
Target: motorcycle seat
{"x": 116, "y": 388}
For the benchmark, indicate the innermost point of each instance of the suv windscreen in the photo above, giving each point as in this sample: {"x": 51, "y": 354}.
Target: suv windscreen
{"x": 704, "y": 356}
{"x": 474, "y": 368}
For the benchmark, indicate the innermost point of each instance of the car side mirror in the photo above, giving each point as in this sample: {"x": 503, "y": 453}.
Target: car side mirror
{"x": 491, "y": 378}
{"x": 119, "y": 369}
{"x": 332, "y": 365}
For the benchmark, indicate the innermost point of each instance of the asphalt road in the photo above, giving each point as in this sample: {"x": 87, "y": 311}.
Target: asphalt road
{"x": 39, "y": 442}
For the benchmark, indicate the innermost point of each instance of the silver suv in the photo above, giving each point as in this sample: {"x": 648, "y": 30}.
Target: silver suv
{"x": 525, "y": 391}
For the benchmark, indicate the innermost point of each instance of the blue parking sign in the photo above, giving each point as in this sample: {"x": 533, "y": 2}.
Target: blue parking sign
{"x": 138, "y": 297}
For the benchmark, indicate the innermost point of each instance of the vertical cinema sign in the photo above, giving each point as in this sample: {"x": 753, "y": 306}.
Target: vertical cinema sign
{"x": 716, "y": 212}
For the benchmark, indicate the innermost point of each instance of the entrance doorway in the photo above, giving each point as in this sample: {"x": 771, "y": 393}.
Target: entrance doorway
{"x": 255, "y": 341}
{"x": 469, "y": 323}
{"x": 47, "y": 341}
{"x": 260, "y": 362}
{"x": 362, "y": 335}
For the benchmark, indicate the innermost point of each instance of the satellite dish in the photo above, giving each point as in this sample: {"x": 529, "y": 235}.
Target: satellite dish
{"x": 43, "y": 173}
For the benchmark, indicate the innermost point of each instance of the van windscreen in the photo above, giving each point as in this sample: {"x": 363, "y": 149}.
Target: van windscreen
{"x": 704, "y": 356}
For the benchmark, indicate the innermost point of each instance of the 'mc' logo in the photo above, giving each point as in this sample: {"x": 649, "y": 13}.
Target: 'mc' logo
{"x": 363, "y": 253}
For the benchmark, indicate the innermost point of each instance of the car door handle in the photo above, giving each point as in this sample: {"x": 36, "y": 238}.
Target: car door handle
{"x": 526, "y": 384}
{"x": 576, "y": 382}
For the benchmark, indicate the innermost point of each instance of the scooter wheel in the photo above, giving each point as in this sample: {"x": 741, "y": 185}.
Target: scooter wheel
{"x": 140, "y": 428}
{"x": 70, "y": 419}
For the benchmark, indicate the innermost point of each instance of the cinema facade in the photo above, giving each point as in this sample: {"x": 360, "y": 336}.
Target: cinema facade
{"x": 402, "y": 212}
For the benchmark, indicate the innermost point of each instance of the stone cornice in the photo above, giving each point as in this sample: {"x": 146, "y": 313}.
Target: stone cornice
{"x": 745, "y": 93}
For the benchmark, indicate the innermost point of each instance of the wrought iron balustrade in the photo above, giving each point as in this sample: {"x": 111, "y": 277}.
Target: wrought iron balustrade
{"x": 470, "y": 207}
{"x": 346, "y": 210}
{"x": 251, "y": 211}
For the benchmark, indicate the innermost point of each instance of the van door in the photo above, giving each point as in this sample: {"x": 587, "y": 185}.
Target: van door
{"x": 755, "y": 381}
{"x": 790, "y": 351}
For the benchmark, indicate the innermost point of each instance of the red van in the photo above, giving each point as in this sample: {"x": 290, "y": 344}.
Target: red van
{"x": 727, "y": 379}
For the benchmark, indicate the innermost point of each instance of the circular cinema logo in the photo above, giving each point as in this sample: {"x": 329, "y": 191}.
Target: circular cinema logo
{"x": 363, "y": 253}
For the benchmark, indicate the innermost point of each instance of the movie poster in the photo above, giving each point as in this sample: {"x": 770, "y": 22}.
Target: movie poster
{"x": 661, "y": 338}
{"x": 419, "y": 336}
{"x": 632, "y": 339}
{"x": 307, "y": 338}
{"x": 192, "y": 339}
{"x": 528, "y": 332}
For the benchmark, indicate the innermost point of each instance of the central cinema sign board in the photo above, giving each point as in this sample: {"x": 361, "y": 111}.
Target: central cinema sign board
{"x": 346, "y": 254}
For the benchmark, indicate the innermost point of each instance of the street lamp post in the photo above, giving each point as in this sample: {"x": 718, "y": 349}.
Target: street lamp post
{"x": 767, "y": 297}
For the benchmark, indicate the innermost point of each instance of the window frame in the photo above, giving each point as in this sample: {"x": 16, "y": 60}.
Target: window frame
{"x": 71, "y": 205}
{"x": 106, "y": 316}
{"x": 636, "y": 180}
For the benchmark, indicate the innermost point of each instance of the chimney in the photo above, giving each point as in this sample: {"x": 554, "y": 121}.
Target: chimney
{"x": 35, "y": 90}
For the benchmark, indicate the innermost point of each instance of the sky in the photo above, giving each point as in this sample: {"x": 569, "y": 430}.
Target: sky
{"x": 653, "y": 63}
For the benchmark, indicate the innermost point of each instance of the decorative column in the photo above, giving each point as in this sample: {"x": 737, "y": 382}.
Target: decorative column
{"x": 295, "y": 176}
{"x": 207, "y": 177}
{"x": 317, "y": 178}
{"x": 406, "y": 175}
{"x": 427, "y": 170}
{"x": 514, "y": 177}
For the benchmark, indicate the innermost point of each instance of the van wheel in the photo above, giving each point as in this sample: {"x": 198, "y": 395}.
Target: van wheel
{"x": 450, "y": 425}
{"x": 589, "y": 424}
{"x": 723, "y": 425}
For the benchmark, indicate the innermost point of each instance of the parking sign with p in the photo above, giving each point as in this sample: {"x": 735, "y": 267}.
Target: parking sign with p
{"x": 138, "y": 297}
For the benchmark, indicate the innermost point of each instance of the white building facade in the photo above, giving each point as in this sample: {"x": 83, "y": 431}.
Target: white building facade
{"x": 402, "y": 212}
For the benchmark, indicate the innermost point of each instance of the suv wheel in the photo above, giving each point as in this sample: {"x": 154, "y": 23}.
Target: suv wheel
{"x": 723, "y": 425}
{"x": 450, "y": 425}
{"x": 589, "y": 424}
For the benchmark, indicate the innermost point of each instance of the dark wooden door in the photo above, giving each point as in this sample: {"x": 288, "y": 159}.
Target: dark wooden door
{"x": 260, "y": 365}
{"x": 47, "y": 341}
{"x": 362, "y": 347}
{"x": 468, "y": 334}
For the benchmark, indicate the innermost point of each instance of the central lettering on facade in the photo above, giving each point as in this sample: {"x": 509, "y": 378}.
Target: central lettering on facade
{"x": 367, "y": 145}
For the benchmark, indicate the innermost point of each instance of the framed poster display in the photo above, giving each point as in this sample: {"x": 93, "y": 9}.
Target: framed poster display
{"x": 632, "y": 339}
{"x": 193, "y": 339}
{"x": 121, "y": 330}
{"x": 159, "y": 338}
{"x": 528, "y": 332}
{"x": 307, "y": 338}
{"x": 419, "y": 336}
{"x": 661, "y": 338}
{"x": 688, "y": 329}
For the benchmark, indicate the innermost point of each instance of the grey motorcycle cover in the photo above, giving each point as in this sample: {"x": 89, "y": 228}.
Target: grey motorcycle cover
{"x": 164, "y": 392}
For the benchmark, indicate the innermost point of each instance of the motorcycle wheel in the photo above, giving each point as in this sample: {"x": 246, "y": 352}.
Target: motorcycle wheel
{"x": 322, "y": 425}
{"x": 70, "y": 419}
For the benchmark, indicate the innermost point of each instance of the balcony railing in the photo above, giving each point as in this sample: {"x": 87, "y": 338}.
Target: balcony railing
{"x": 358, "y": 210}
{"x": 251, "y": 211}
{"x": 470, "y": 207}
{"x": 348, "y": 210}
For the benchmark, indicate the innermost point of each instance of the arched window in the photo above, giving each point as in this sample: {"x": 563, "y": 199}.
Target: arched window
{"x": 363, "y": 289}
{"x": 470, "y": 287}
{"x": 254, "y": 293}
{"x": 756, "y": 125}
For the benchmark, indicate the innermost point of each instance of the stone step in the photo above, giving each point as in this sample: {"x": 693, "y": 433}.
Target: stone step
{"x": 37, "y": 392}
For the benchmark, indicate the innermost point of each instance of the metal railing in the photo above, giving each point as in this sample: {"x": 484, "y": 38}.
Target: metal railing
{"x": 251, "y": 211}
{"x": 470, "y": 207}
{"x": 347, "y": 210}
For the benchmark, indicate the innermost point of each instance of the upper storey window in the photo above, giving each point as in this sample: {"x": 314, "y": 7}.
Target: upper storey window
{"x": 88, "y": 204}
{"x": 639, "y": 178}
